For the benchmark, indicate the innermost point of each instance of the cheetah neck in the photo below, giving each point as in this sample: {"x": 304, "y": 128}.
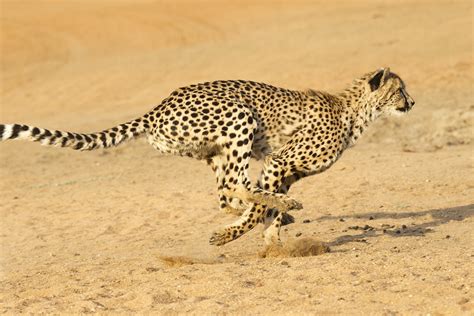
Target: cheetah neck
{"x": 359, "y": 113}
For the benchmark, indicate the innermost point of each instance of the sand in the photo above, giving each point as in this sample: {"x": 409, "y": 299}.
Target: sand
{"x": 126, "y": 230}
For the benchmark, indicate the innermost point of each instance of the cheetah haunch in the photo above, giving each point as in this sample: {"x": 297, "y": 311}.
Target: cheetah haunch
{"x": 225, "y": 123}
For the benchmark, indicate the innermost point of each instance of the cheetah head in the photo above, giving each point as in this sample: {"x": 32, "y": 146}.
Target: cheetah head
{"x": 387, "y": 94}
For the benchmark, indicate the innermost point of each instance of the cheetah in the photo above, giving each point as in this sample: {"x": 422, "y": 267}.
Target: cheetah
{"x": 226, "y": 123}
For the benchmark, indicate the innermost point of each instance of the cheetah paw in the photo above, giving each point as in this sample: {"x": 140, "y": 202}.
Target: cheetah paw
{"x": 233, "y": 211}
{"x": 219, "y": 238}
{"x": 292, "y": 204}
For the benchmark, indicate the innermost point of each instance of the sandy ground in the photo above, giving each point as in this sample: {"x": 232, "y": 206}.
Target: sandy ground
{"x": 126, "y": 231}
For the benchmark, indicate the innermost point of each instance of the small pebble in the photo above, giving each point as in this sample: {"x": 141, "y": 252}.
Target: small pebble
{"x": 367, "y": 227}
{"x": 404, "y": 226}
{"x": 306, "y": 221}
{"x": 371, "y": 218}
{"x": 398, "y": 231}
{"x": 448, "y": 236}
{"x": 342, "y": 220}
{"x": 299, "y": 234}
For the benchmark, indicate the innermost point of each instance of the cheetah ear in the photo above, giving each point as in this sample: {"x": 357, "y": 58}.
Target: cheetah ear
{"x": 378, "y": 78}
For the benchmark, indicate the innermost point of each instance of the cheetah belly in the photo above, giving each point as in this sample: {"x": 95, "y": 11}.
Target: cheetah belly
{"x": 197, "y": 150}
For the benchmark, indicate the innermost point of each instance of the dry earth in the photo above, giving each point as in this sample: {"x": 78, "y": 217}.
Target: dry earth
{"x": 126, "y": 231}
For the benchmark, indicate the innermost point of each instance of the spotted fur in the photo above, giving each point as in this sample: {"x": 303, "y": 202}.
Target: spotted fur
{"x": 225, "y": 123}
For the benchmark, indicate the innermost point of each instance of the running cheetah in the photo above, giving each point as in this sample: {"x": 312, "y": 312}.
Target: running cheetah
{"x": 225, "y": 123}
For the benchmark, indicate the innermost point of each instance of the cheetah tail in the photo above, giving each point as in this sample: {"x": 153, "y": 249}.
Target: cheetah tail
{"x": 107, "y": 138}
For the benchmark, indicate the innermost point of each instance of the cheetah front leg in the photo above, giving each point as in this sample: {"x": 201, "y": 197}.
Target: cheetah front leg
{"x": 256, "y": 195}
{"x": 312, "y": 160}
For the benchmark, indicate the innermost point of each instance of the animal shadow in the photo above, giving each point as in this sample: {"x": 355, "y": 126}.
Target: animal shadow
{"x": 440, "y": 216}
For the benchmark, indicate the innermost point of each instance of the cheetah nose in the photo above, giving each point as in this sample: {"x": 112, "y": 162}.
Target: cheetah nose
{"x": 409, "y": 104}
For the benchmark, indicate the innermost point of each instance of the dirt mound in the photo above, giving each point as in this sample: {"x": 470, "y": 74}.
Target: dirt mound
{"x": 303, "y": 247}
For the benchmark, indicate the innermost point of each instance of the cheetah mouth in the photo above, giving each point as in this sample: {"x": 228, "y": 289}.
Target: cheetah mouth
{"x": 407, "y": 107}
{"x": 404, "y": 109}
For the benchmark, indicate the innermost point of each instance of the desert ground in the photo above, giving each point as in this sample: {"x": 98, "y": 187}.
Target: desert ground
{"x": 126, "y": 230}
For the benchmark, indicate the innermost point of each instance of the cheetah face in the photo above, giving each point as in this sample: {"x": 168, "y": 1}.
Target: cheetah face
{"x": 388, "y": 93}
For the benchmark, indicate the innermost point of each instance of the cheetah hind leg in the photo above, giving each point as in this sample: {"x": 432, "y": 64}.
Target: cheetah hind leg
{"x": 233, "y": 231}
{"x": 232, "y": 206}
